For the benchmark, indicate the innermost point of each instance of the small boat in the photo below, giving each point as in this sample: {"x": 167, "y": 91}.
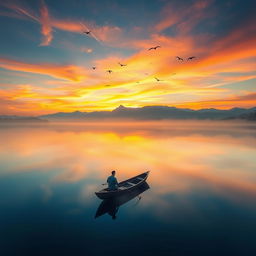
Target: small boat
{"x": 123, "y": 187}
{"x": 112, "y": 205}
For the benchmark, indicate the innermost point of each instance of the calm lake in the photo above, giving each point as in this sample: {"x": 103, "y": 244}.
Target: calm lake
{"x": 200, "y": 198}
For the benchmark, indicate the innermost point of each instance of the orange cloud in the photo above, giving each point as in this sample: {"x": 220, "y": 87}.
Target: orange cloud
{"x": 183, "y": 18}
{"x": 99, "y": 33}
{"x": 46, "y": 25}
{"x": 135, "y": 85}
{"x": 20, "y": 11}
{"x": 188, "y": 83}
{"x": 245, "y": 101}
{"x": 24, "y": 12}
{"x": 67, "y": 72}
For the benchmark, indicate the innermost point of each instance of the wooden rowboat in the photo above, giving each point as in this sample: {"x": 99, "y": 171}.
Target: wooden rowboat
{"x": 112, "y": 205}
{"x": 123, "y": 187}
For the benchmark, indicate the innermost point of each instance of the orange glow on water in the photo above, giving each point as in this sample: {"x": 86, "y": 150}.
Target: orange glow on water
{"x": 180, "y": 155}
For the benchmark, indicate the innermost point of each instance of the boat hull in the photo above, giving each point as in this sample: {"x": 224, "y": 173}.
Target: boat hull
{"x": 110, "y": 205}
{"x": 104, "y": 194}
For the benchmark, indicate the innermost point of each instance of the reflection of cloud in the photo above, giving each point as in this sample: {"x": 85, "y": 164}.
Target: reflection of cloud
{"x": 47, "y": 192}
{"x": 87, "y": 194}
{"x": 75, "y": 211}
{"x": 72, "y": 174}
{"x": 195, "y": 158}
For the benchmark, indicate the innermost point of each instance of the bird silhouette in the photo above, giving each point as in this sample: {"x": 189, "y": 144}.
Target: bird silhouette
{"x": 109, "y": 71}
{"x": 154, "y": 48}
{"x": 191, "y": 58}
{"x": 87, "y": 32}
{"x": 158, "y": 80}
{"x": 122, "y": 65}
{"x": 93, "y": 68}
{"x": 179, "y": 58}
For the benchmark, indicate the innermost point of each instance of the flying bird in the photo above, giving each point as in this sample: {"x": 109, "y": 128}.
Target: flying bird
{"x": 158, "y": 80}
{"x": 191, "y": 58}
{"x": 179, "y": 58}
{"x": 154, "y": 48}
{"x": 87, "y": 32}
{"x": 122, "y": 65}
{"x": 109, "y": 71}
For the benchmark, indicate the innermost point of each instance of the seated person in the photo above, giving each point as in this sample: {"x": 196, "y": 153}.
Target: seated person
{"x": 112, "y": 181}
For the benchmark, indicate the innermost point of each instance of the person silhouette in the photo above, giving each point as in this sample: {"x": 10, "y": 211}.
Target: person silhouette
{"x": 112, "y": 181}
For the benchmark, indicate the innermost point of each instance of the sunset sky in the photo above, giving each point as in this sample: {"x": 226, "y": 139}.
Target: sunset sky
{"x": 46, "y": 59}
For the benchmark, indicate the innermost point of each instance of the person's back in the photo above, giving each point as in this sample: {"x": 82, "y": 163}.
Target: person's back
{"x": 112, "y": 181}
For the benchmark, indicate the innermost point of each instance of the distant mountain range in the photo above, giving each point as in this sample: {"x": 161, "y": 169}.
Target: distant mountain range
{"x": 251, "y": 116}
{"x": 156, "y": 113}
{"x": 143, "y": 113}
{"x": 17, "y": 119}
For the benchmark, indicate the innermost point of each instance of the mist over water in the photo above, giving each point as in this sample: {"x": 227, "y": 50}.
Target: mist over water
{"x": 201, "y": 199}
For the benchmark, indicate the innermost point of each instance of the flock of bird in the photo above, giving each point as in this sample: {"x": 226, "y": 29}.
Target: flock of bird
{"x": 88, "y": 32}
{"x": 189, "y": 58}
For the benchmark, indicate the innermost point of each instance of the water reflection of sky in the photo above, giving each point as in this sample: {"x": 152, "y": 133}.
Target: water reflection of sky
{"x": 201, "y": 199}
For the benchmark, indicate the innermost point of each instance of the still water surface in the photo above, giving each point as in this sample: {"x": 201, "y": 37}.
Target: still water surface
{"x": 201, "y": 198}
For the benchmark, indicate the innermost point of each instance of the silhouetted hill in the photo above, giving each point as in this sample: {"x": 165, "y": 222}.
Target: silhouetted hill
{"x": 155, "y": 113}
{"x": 251, "y": 116}
{"x": 8, "y": 119}
{"x": 75, "y": 114}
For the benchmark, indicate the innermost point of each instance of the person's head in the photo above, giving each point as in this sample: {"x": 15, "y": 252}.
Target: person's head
{"x": 113, "y": 173}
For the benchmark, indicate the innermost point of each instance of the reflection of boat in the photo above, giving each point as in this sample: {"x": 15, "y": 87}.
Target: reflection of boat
{"x": 123, "y": 187}
{"x": 112, "y": 205}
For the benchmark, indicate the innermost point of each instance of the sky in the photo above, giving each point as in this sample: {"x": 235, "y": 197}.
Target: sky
{"x": 47, "y": 59}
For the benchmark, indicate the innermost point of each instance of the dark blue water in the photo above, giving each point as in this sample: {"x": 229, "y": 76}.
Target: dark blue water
{"x": 40, "y": 215}
{"x": 196, "y": 224}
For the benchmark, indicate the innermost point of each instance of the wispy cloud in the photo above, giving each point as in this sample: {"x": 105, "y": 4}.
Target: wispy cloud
{"x": 67, "y": 72}
{"x": 182, "y": 17}
{"x": 46, "y": 25}
{"x": 99, "y": 33}
{"x": 247, "y": 100}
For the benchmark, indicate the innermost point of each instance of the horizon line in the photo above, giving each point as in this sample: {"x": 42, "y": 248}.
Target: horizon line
{"x": 127, "y": 108}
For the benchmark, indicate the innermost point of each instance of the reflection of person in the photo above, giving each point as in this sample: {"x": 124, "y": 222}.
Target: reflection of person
{"x": 112, "y": 181}
{"x": 113, "y": 211}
